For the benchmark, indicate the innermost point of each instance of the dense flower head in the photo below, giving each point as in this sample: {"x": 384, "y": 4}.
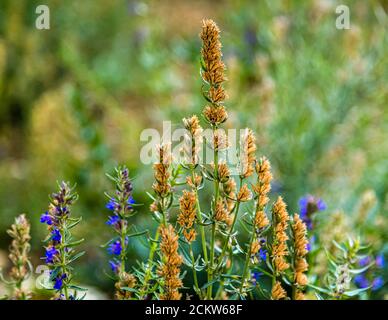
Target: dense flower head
{"x": 215, "y": 115}
{"x": 58, "y": 281}
{"x": 377, "y": 283}
{"x": 19, "y": 255}
{"x": 308, "y": 206}
{"x": 115, "y": 247}
{"x": 113, "y": 220}
{"x": 244, "y": 194}
{"x": 124, "y": 280}
{"x": 278, "y": 292}
{"x": 214, "y": 68}
{"x": 46, "y": 218}
{"x": 261, "y": 189}
{"x": 300, "y": 251}
{"x": 56, "y": 235}
{"x": 279, "y": 247}
{"x": 193, "y": 140}
{"x": 229, "y": 188}
{"x": 114, "y": 265}
{"x": 187, "y": 214}
{"x": 255, "y": 276}
{"x": 247, "y": 153}
{"x": 169, "y": 270}
{"x": 363, "y": 282}
{"x": 212, "y": 71}
{"x": 299, "y": 295}
{"x": 380, "y": 261}
{"x": 162, "y": 173}
{"x": 300, "y": 240}
{"x": 113, "y": 205}
{"x": 221, "y": 213}
{"x": 51, "y": 254}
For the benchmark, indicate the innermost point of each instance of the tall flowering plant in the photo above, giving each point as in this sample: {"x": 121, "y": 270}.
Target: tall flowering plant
{"x": 19, "y": 256}
{"x": 121, "y": 204}
{"x": 60, "y": 245}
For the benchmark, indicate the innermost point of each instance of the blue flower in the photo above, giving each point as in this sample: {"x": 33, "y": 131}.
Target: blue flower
{"x": 112, "y": 220}
{"x": 114, "y": 265}
{"x": 51, "y": 252}
{"x": 377, "y": 283}
{"x": 130, "y": 202}
{"x": 255, "y": 276}
{"x": 46, "y": 218}
{"x": 56, "y": 235}
{"x": 364, "y": 261}
{"x": 380, "y": 263}
{"x": 263, "y": 254}
{"x": 310, "y": 243}
{"x": 361, "y": 281}
{"x": 115, "y": 248}
{"x": 308, "y": 206}
{"x": 59, "y": 282}
{"x": 111, "y": 205}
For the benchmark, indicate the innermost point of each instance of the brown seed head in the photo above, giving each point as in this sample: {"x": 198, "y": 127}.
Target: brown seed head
{"x": 193, "y": 140}
{"x": 19, "y": 254}
{"x": 187, "y": 214}
{"x": 300, "y": 240}
{"x": 211, "y": 54}
{"x": 215, "y": 115}
{"x": 161, "y": 185}
{"x": 278, "y": 292}
{"x": 263, "y": 185}
{"x": 279, "y": 247}
{"x": 221, "y": 214}
{"x": 299, "y": 295}
{"x": 244, "y": 194}
{"x": 247, "y": 154}
{"x": 170, "y": 268}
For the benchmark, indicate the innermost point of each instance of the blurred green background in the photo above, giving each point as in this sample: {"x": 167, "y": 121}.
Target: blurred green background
{"x": 74, "y": 99}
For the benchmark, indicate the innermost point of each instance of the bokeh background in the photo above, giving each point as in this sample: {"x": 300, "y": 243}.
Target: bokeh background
{"x": 74, "y": 99}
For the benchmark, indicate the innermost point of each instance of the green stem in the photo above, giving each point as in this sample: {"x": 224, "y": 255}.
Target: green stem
{"x": 213, "y": 234}
{"x": 150, "y": 261}
{"x": 123, "y": 249}
{"x": 200, "y": 219}
{"x": 195, "y": 272}
{"x": 246, "y": 265}
{"x": 210, "y": 271}
{"x": 223, "y": 252}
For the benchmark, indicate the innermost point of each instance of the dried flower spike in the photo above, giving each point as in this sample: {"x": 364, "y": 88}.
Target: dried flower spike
{"x": 244, "y": 194}
{"x": 221, "y": 214}
{"x": 171, "y": 262}
{"x": 278, "y": 292}
{"x": 300, "y": 266}
{"x": 193, "y": 140}
{"x": 187, "y": 214}
{"x": 18, "y": 254}
{"x": 261, "y": 189}
{"x": 279, "y": 247}
{"x": 213, "y": 73}
{"x": 247, "y": 153}
{"x": 162, "y": 186}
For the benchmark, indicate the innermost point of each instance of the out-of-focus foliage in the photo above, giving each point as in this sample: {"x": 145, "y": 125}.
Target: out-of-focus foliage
{"x": 74, "y": 99}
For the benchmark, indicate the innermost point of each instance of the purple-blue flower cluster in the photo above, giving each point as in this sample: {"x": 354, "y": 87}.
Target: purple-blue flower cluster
{"x": 121, "y": 206}
{"x": 255, "y": 276}
{"x": 57, "y": 251}
{"x": 364, "y": 280}
{"x": 308, "y": 206}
